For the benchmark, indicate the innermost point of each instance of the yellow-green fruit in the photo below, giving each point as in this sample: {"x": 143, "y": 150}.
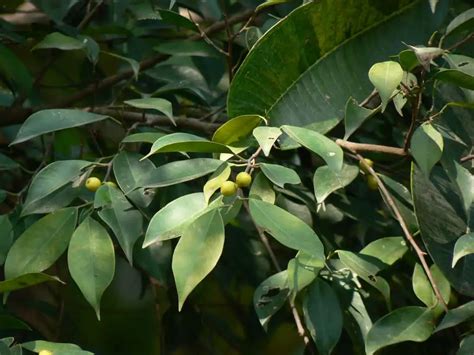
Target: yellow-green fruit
{"x": 372, "y": 182}
{"x": 45, "y": 352}
{"x": 243, "y": 179}
{"x": 111, "y": 183}
{"x": 368, "y": 162}
{"x": 228, "y": 188}
{"x": 93, "y": 184}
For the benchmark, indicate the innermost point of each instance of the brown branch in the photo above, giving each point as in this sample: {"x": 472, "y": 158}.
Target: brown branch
{"x": 461, "y": 42}
{"x": 467, "y": 158}
{"x": 391, "y": 203}
{"x": 362, "y": 147}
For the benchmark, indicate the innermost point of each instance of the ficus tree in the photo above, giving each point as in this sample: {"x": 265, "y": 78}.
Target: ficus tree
{"x": 227, "y": 177}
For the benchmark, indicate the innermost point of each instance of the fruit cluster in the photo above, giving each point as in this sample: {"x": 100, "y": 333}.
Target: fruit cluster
{"x": 229, "y": 188}
{"x": 93, "y": 184}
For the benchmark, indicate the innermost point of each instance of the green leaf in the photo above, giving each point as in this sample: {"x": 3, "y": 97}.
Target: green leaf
{"x": 463, "y": 22}
{"x": 145, "y": 137}
{"x": 386, "y": 76}
{"x": 388, "y": 250}
{"x": 456, "y": 77}
{"x": 329, "y": 151}
{"x": 457, "y": 316}
{"x": 52, "y": 120}
{"x": 91, "y": 261}
{"x": 132, "y": 62}
{"x": 187, "y": 48}
{"x": 197, "y": 253}
{"x": 354, "y": 116}
{"x": 41, "y": 244}
{"x": 215, "y": 180}
{"x": 55, "y": 9}
{"x": 461, "y": 177}
{"x": 467, "y": 346}
{"x": 424, "y": 291}
{"x": 262, "y": 189}
{"x": 404, "y": 324}
{"x": 280, "y": 175}
{"x": 326, "y": 181}
{"x": 286, "y": 228}
{"x": 237, "y": 128}
{"x": 185, "y": 142}
{"x": 153, "y": 103}
{"x": 8, "y": 322}
{"x": 270, "y": 296}
{"x": 56, "y": 348}
{"x": 266, "y": 137}
{"x": 302, "y": 270}
{"x": 323, "y": 316}
{"x": 7, "y": 164}
{"x": 25, "y": 280}
{"x": 15, "y": 72}
{"x": 125, "y": 221}
{"x": 269, "y": 3}
{"x": 50, "y": 179}
{"x": 6, "y": 237}
{"x": 179, "y": 171}
{"x": 426, "y": 147}
{"x": 170, "y": 221}
{"x": 308, "y": 85}
{"x": 464, "y": 246}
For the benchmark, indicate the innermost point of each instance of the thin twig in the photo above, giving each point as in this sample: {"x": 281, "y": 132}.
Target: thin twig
{"x": 376, "y": 148}
{"x": 467, "y": 158}
{"x": 414, "y": 115}
{"x": 461, "y": 42}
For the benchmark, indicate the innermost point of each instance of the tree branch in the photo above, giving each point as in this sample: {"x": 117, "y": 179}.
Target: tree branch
{"x": 362, "y": 147}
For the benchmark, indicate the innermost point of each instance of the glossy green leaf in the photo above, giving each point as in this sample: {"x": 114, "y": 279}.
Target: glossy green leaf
{"x": 464, "y": 246}
{"x": 6, "y": 237}
{"x": 125, "y": 221}
{"x": 171, "y": 220}
{"x": 286, "y": 228}
{"x": 52, "y": 120}
{"x": 56, "y": 348}
{"x": 462, "y": 22}
{"x": 41, "y": 244}
{"x": 280, "y": 175}
{"x": 91, "y": 261}
{"x": 457, "y": 316}
{"x": 58, "y": 199}
{"x": 215, "y": 181}
{"x": 426, "y": 147}
{"x": 422, "y": 286}
{"x": 326, "y": 180}
{"x": 14, "y": 71}
{"x": 145, "y": 137}
{"x": 179, "y": 171}
{"x": 262, "y": 189}
{"x": 266, "y": 137}
{"x": 404, "y": 324}
{"x": 7, "y": 164}
{"x": 329, "y": 151}
{"x": 323, "y": 316}
{"x": 388, "y": 250}
{"x": 197, "y": 253}
{"x": 236, "y": 129}
{"x": 57, "y": 40}
{"x": 354, "y": 116}
{"x": 185, "y": 142}
{"x": 302, "y": 270}
{"x": 25, "y": 280}
{"x": 270, "y": 296}
{"x": 386, "y": 76}
{"x": 153, "y": 103}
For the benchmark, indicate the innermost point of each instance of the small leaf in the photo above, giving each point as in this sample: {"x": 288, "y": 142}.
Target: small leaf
{"x": 47, "y": 121}
{"x": 56, "y": 348}
{"x": 144, "y": 137}
{"x": 302, "y": 270}
{"x": 197, "y": 253}
{"x": 91, "y": 261}
{"x": 463, "y": 22}
{"x": 25, "y": 280}
{"x": 266, "y": 137}
{"x": 388, "y": 250}
{"x": 326, "y": 181}
{"x": 354, "y": 116}
{"x": 41, "y": 244}
{"x": 236, "y": 129}
{"x": 286, "y": 228}
{"x": 215, "y": 181}
{"x": 464, "y": 246}
{"x": 404, "y": 324}
{"x": 133, "y": 63}
{"x": 386, "y": 76}
{"x": 154, "y": 103}
{"x": 262, "y": 189}
{"x": 280, "y": 175}
{"x": 329, "y": 151}
{"x": 270, "y": 296}
{"x": 423, "y": 289}
{"x": 323, "y": 316}
{"x": 426, "y": 147}
{"x": 457, "y": 316}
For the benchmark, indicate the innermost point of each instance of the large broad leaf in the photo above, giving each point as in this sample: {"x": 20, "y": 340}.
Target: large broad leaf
{"x": 25, "y": 280}
{"x": 286, "y": 228}
{"x": 304, "y": 69}
{"x": 125, "y": 221}
{"x": 47, "y": 121}
{"x": 91, "y": 261}
{"x": 442, "y": 220}
{"x": 323, "y": 316}
{"x": 326, "y": 180}
{"x": 52, "y": 178}
{"x": 197, "y": 253}
{"x": 41, "y": 244}
{"x": 404, "y": 324}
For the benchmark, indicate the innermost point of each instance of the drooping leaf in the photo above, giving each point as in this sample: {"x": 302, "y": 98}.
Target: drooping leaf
{"x": 286, "y": 228}
{"x": 326, "y": 181}
{"x": 404, "y": 324}
{"x": 354, "y": 116}
{"x": 329, "y": 151}
{"x": 52, "y": 120}
{"x": 464, "y": 246}
{"x": 388, "y": 250}
{"x": 457, "y": 316}
{"x": 323, "y": 316}
{"x": 91, "y": 261}
{"x": 426, "y": 147}
{"x": 280, "y": 175}
{"x": 262, "y": 189}
{"x": 25, "y": 280}
{"x": 462, "y": 178}
{"x": 41, "y": 244}
{"x": 386, "y": 76}
{"x": 423, "y": 289}
{"x": 153, "y": 103}
{"x": 197, "y": 253}
{"x": 266, "y": 137}
{"x": 237, "y": 128}
{"x": 463, "y": 22}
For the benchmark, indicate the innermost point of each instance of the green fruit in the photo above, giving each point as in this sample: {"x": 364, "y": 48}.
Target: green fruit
{"x": 363, "y": 167}
{"x": 243, "y": 179}
{"x": 372, "y": 182}
{"x": 110, "y": 183}
{"x": 228, "y": 188}
{"x": 93, "y": 184}
{"x": 45, "y": 352}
